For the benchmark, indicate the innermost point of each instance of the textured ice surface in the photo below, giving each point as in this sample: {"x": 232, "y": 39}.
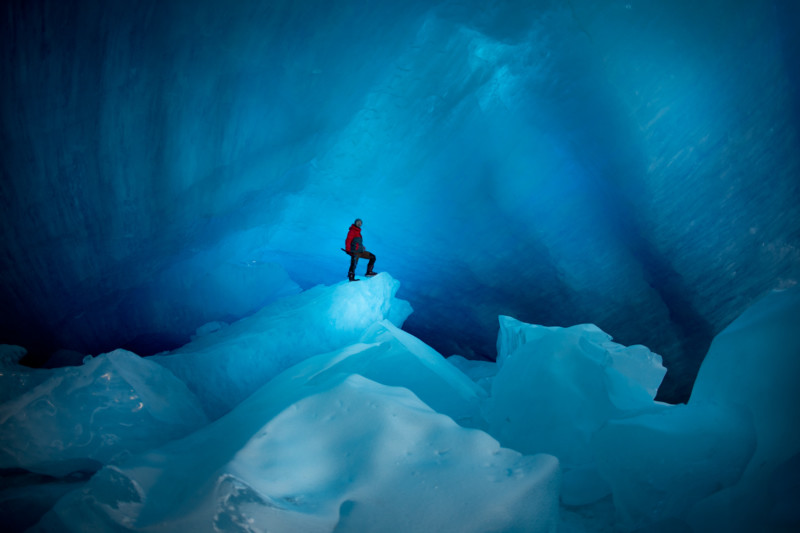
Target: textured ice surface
{"x": 82, "y": 417}
{"x": 346, "y": 454}
{"x": 223, "y": 367}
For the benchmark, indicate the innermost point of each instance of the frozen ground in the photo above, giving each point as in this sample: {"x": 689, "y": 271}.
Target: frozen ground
{"x": 366, "y": 428}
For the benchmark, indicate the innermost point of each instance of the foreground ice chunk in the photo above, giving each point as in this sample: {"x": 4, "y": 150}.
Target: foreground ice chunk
{"x": 346, "y": 455}
{"x": 82, "y": 417}
{"x": 557, "y": 386}
{"x": 224, "y": 367}
{"x": 635, "y": 368}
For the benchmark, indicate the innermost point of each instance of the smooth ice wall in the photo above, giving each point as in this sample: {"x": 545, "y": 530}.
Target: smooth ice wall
{"x": 630, "y": 164}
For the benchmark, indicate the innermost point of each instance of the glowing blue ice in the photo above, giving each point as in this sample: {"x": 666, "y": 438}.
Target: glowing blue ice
{"x": 226, "y": 366}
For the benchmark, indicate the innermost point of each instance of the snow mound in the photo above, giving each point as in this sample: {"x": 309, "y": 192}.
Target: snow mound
{"x": 345, "y": 455}
{"x": 392, "y": 357}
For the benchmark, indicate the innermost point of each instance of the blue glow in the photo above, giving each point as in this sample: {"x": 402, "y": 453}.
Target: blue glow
{"x": 631, "y": 164}
{"x": 179, "y": 177}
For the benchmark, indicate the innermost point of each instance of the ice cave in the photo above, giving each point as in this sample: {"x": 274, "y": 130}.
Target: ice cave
{"x": 585, "y": 313}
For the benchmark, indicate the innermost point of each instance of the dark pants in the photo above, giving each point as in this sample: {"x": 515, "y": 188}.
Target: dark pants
{"x": 354, "y": 261}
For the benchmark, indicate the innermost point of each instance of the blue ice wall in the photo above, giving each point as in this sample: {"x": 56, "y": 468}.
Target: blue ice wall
{"x": 632, "y": 164}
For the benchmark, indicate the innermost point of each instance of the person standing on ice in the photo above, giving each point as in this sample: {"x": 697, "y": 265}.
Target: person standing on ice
{"x": 355, "y": 247}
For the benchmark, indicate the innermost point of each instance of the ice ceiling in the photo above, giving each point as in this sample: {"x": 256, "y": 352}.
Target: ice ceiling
{"x": 633, "y": 164}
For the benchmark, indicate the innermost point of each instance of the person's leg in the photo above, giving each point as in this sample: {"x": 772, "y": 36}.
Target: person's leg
{"x": 371, "y": 263}
{"x": 351, "y": 274}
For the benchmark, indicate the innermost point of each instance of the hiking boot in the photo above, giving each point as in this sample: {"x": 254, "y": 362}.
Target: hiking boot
{"x": 351, "y": 276}
{"x": 370, "y": 274}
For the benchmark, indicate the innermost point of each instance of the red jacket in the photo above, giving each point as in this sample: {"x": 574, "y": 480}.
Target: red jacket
{"x": 353, "y": 243}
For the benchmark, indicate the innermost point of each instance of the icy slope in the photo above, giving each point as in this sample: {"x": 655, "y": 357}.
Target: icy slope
{"x": 225, "y": 366}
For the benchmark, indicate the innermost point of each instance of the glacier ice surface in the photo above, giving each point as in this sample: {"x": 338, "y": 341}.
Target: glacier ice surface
{"x": 377, "y": 431}
{"x": 80, "y": 418}
{"x": 225, "y": 366}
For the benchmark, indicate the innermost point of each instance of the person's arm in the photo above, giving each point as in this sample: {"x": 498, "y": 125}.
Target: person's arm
{"x": 348, "y": 242}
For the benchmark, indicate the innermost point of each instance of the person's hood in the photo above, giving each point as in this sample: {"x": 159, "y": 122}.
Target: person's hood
{"x": 353, "y": 227}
